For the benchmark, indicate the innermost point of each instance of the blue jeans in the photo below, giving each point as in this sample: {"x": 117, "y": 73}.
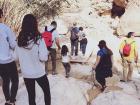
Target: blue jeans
{"x": 83, "y": 48}
{"x": 74, "y": 47}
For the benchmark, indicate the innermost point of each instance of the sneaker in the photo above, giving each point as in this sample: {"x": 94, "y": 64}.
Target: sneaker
{"x": 7, "y": 103}
{"x": 122, "y": 80}
{"x": 67, "y": 76}
{"x": 11, "y": 104}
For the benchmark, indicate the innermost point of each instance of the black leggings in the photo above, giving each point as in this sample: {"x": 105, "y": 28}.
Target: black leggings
{"x": 9, "y": 72}
{"x": 43, "y": 83}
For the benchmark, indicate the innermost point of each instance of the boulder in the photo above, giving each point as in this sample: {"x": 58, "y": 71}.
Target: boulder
{"x": 130, "y": 21}
{"x": 118, "y": 8}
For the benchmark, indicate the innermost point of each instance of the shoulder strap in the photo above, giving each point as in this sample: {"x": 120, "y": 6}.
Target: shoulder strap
{"x": 46, "y": 28}
{"x": 125, "y": 41}
{"x": 132, "y": 42}
{"x": 52, "y": 30}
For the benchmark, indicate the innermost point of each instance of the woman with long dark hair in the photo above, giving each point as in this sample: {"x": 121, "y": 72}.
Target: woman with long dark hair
{"x": 32, "y": 54}
{"x": 103, "y": 64}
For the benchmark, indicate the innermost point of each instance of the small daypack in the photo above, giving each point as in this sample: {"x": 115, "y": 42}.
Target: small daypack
{"x": 47, "y": 35}
{"x": 74, "y": 34}
{"x": 127, "y": 49}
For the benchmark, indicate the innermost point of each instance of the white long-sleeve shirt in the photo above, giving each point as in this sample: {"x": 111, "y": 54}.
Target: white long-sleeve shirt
{"x": 32, "y": 59}
{"x": 7, "y": 44}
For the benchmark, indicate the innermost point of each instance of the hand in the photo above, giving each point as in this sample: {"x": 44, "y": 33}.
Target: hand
{"x": 59, "y": 48}
{"x": 93, "y": 67}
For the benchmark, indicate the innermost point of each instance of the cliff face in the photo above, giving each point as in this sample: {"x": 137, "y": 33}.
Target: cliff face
{"x": 130, "y": 21}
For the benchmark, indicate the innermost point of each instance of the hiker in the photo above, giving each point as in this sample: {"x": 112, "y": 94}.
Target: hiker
{"x": 66, "y": 59}
{"x": 53, "y": 41}
{"x": 103, "y": 64}
{"x": 32, "y": 54}
{"x": 129, "y": 55}
{"x": 8, "y": 69}
{"x": 74, "y": 39}
{"x": 74, "y": 30}
{"x": 83, "y": 40}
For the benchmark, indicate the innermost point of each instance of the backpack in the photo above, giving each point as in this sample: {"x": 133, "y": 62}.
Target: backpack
{"x": 74, "y": 33}
{"x": 47, "y": 35}
{"x": 127, "y": 49}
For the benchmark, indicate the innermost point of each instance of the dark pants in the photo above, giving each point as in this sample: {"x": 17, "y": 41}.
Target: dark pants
{"x": 53, "y": 59}
{"x": 67, "y": 68}
{"x": 101, "y": 80}
{"x": 74, "y": 47}
{"x": 43, "y": 83}
{"x": 9, "y": 72}
{"x": 103, "y": 73}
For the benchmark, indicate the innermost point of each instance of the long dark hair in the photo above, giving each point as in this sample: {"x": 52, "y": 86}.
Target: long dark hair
{"x": 29, "y": 31}
{"x": 64, "y": 50}
{"x": 1, "y": 13}
{"x": 102, "y": 44}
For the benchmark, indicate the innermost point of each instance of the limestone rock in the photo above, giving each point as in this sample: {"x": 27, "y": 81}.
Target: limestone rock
{"x": 130, "y": 21}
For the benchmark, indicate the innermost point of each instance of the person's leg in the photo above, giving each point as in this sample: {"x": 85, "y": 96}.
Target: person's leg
{"x": 125, "y": 71}
{"x": 6, "y": 81}
{"x": 84, "y": 48}
{"x": 72, "y": 48}
{"x": 44, "y": 84}
{"x": 80, "y": 45}
{"x": 30, "y": 86}
{"x": 64, "y": 64}
{"x": 101, "y": 81}
{"x": 53, "y": 58}
{"x": 68, "y": 67}
{"x": 130, "y": 71}
{"x": 14, "y": 81}
{"x": 76, "y": 47}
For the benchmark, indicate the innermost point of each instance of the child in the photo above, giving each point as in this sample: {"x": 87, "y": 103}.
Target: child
{"x": 65, "y": 59}
{"x": 83, "y": 40}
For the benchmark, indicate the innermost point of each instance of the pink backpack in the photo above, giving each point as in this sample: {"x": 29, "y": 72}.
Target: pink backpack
{"x": 47, "y": 35}
{"x": 127, "y": 49}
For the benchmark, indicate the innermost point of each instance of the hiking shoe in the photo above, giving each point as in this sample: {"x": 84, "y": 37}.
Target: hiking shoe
{"x": 122, "y": 81}
{"x": 6, "y": 103}
{"x": 67, "y": 76}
